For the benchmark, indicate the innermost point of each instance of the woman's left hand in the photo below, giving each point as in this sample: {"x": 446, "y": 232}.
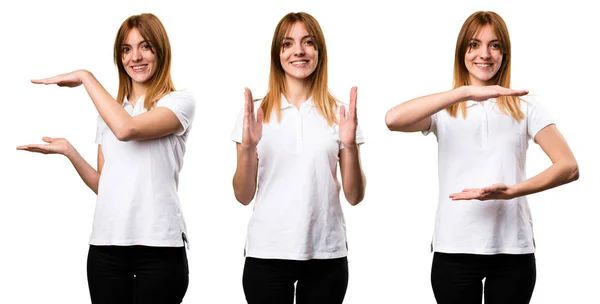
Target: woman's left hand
{"x": 71, "y": 80}
{"x": 348, "y": 123}
{"x": 493, "y": 192}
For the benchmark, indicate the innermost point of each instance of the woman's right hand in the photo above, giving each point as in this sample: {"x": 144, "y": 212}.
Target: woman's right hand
{"x": 252, "y": 129}
{"x": 53, "y": 146}
{"x": 481, "y": 93}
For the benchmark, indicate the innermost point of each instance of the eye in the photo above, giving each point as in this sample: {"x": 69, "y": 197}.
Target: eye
{"x": 496, "y": 46}
{"x": 473, "y": 44}
{"x": 286, "y": 44}
{"x": 309, "y": 42}
{"x": 126, "y": 49}
{"x": 146, "y": 46}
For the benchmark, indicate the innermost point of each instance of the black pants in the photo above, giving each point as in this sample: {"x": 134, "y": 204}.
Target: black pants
{"x": 457, "y": 278}
{"x": 271, "y": 281}
{"x": 137, "y": 274}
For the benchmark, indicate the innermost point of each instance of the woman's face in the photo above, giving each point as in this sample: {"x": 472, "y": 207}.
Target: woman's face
{"x": 137, "y": 57}
{"x": 484, "y": 57}
{"x": 299, "y": 55}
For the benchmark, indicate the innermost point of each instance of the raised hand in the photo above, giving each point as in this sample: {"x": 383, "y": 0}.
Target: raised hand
{"x": 481, "y": 93}
{"x": 252, "y": 129}
{"x": 71, "y": 80}
{"x": 53, "y": 146}
{"x": 493, "y": 192}
{"x": 348, "y": 123}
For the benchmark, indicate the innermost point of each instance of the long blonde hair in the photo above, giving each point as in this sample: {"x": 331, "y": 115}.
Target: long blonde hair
{"x": 322, "y": 98}
{"x": 473, "y": 25}
{"x": 155, "y": 34}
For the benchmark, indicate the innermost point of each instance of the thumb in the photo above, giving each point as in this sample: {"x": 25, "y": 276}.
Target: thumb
{"x": 47, "y": 139}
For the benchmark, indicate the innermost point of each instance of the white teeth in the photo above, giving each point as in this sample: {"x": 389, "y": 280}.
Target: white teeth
{"x": 483, "y": 65}
{"x": 299, "y": 62}
{"x": 138, "y": 68}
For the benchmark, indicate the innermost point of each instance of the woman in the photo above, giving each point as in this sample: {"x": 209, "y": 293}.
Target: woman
{"x": 289, "y": 149}
{"x": 483, "y": 128}
{"x": 137, "y": 252}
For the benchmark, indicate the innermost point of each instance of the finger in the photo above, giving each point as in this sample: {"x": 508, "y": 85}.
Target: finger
{"x": 47, "y": 139}
{"x": 49, "y": 80}
{"x": 342, "y": 113}
{"x": 353, "y": 97}
{"x": 259, "y": 116}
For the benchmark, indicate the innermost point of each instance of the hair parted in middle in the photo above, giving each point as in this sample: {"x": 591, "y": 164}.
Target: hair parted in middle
{"x": 470, "y": 29}
{"x": 325, "y": 102}
{"x": 153, "y": 31}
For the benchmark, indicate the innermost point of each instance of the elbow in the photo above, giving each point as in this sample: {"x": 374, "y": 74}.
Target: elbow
{"x": 244, "y": 201}
{"x": 355, "y": 198}
{"x": 124, "y": 134}
{"x": 573, "y": 172}
{"x": 391, "y": 121}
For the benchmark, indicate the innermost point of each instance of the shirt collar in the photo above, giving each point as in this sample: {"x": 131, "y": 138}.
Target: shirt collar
{"x": 471, "y": 103}
{"x": 286, "y": 104}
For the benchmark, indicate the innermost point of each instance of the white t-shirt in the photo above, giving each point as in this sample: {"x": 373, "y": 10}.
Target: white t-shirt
{"x": 297, "y": 211}
{"x": 486, "y": 148}
{"x": 137, "y": 192}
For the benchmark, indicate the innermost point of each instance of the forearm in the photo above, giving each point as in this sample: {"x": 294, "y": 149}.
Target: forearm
{"x": 244, "y": 179}
{"x": 353, "y": 178}
{"x": 88, "y": 174}
{"x": 559, "y": 173}
{"x": 113, "y": 114}
{"x": 407, "y": 114}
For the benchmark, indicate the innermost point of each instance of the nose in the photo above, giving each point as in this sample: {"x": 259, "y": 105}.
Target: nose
{"x": 484, "y": 53}
{"x": 136, "y": 55}
{"x": 299, "y": 49}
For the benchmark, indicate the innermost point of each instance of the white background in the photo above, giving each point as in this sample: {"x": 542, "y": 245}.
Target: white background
{"x": 393, "y": 51}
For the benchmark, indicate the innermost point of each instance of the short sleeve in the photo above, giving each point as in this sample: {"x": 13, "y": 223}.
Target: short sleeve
{"x": 182, "y": 103}
{"x": 537, "y": 118}
{"x": 100, "y": 129}
{"x": 433, "y": 125}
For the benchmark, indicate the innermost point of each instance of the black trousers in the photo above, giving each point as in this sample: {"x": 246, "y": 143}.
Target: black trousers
{"x": 137, "y": 274}
{"x": 271, "y": 281}
{"x": 457, "y": 278}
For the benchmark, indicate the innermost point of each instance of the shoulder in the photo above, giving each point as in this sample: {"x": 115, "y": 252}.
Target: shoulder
{"x": 177, "y": 95}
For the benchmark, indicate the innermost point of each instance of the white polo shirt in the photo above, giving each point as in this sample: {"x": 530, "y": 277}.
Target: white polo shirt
{"x": 297, "y": 212}
{"x": 137, "y": 193}
{"x": 486, "y": 148}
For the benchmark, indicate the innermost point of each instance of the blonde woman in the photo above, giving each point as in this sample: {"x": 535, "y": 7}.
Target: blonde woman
{"x": 483, "y": 226}
{"x": 289, "y": 150}
{"x": 137, "y": 252}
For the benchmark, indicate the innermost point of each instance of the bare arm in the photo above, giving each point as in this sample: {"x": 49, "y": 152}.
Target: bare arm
{"x": 564, "y": 169}
{"x": 88, "y": 174}
{"x": 353, "y": 178}
{"x": 415, "y": 115}
{"x": 156, "y": 123}
{"x": 354, "y": 181}
{"x": 246, "y": 172}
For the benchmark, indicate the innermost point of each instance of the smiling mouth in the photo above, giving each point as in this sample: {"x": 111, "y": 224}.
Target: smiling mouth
{"x": 299, "y": 62}
{"x": 138, "y": 68}
{"x": 483, "y": 65}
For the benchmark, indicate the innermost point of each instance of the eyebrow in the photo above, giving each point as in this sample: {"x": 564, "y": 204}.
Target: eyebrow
{"x": 290, "y": 38}
{"x": 477, "y": 40}
{"x": 141, "y": 42}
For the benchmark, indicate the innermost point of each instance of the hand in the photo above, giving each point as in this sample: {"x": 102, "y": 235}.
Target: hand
{"x": 71, "y": 80}
{"x": 53, "y": 146}
{"x": 252, "y": 129}
{"x": 493, "y": 192}
{"x": 348, "y": 123}
{"x": 481, "y": 93}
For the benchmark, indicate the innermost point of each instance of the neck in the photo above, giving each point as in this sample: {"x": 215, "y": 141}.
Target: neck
{"x": 297, "y": 91}
{"x": 137, "y": 90}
